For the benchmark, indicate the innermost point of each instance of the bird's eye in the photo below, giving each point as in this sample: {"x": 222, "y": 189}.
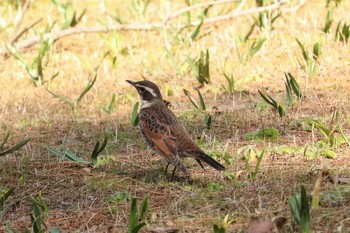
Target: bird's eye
{"x": 141, "y": 89}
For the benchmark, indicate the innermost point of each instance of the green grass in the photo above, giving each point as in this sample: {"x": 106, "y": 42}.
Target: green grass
{"x": 80, "y": 197}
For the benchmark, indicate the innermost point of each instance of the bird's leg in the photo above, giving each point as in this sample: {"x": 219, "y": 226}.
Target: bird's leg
{"x": 172, "y": 175}
{"x": 166, "y": 168}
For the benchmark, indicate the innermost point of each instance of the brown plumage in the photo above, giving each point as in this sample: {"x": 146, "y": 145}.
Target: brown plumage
{"x": 163, "y": 131}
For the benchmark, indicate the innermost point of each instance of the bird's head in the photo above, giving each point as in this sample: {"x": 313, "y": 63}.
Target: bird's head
{"x": 147, "y": 90}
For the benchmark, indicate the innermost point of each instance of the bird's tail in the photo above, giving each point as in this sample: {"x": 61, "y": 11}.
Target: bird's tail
{"x": 210, "y": 161}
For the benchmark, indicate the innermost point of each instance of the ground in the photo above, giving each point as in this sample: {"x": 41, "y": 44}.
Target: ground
{"x": 82, "y": 198}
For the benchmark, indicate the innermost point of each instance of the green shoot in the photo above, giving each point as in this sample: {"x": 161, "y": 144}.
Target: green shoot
{"x": 98, "y": 149}
{"x": 247, "y": 154}
{"x": 329, "y": 22}
{"x": 38, "y": 214}
{"x": 231, "y": 83}
{"x": 267, "y": 133}
{"x": 140, "y": 6}
{"x": 4, "y": 194}
{"x": 134, "y": 224}
{"x": 135, "y": 115}
{"x": 327, "y": 133}
{"x": 309, "y": 65}
{"x": 225, "y": 223}
{"x": 202, "y": 107}
{"x": 74, "y": 103}
{"x": 342, "y": 33}
{"x": 200, "y": 68}
{"x": 14, "y": 148}
{"x": 279, "y": 108}
{"x": 254, "y": 47}
{"x": 67, "y": 154}
{"x": 35, "y": 70}
{"x": 337, "y": 117}
{"x": 110, "y": 106}
{"x": 300, "y": 210}
{"x": 293, "y": 85}
{"x": 70, "y": 18}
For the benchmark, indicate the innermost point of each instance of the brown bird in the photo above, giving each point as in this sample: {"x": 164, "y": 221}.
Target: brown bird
{"x": 164, "y": 132}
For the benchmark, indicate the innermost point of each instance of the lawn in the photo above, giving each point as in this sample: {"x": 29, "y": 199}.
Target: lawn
{"x": 265, "y": 91}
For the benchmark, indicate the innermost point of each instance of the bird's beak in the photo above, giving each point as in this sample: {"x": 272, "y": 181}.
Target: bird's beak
{"x": 131, "y": 82}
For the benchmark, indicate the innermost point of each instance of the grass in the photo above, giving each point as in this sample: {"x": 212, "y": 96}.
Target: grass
{"x": 78, "y": 196}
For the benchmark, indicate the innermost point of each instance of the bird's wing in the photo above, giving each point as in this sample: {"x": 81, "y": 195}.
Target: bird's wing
{"x": 160, "y": 136}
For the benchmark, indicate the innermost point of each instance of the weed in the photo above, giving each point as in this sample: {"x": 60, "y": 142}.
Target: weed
{"x": 35, "y": 70}
{"x": 134, "y": 224}
{"x": 329, "y": 21}
{"x": 14, "y": 148}
{"x": 225, "y": 223}
{"x": 70, "y": 18}
{"x": 247, "y": 154}
{"x": 135, "y": 115}
{"x": 75, "y": 102}
{"x": 231, "y": 83}
{"x": 202, "y": 107}
{"x": 200, "y": 68}
{"x": 253, "y": 48}
{"x": 280, "y": 109}
{"x": 342, "y": 33}
{"x": 67, "y": 154}
{"x": 109, "y": 106}
{"x": 267, "y": 133}
{"x": 4, "y": 194}
{"x": 309, "y": 65}
{"x": 300, "y": 210}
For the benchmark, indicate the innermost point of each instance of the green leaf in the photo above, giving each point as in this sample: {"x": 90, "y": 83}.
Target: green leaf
{"x": 62, "y": 98}
{"x": 4, "y": 197}
{"x": 269, "y": 99}
{"x": 138, "y": 227}
{"x": 303, "y": 50}
{"x": 187, "y": 93}
{"x": 263, "y": 134}
{"x": 218, "y": 229}
{"x": 201, "y": 101}
{"x": 87, "y": 88}
{"x": 305, "y": 212}
{"x": 293, "y": 84}
{"x": 193, "y": 66}
{"x": 255, "y": 47}
{"x": 133, "y": 216}
{"x": 5, "y": 140}
{"x": 134, "y": 115}
{"x": 208, "y": 120}
{"x": 144, "y": 208}
{"x": 16, "y": 147}
{"x": 258, "y": 164}
{"x": 316, "y": 50}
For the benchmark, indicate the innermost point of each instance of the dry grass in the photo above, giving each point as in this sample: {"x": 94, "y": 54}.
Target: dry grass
{"x": 77, "y": 196}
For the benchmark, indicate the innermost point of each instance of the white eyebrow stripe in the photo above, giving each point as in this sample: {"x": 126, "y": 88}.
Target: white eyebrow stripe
{"x": 150, "y": 90}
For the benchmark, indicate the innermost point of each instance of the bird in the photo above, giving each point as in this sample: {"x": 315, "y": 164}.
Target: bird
{"x": 163, "y": 131}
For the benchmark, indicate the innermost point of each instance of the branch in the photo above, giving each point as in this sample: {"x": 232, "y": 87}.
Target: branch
{"x": 27, "y": 43}
{"x": 200, "y": 5}
{"x": 24, "y": 30}
{"x": 18, "y": 22}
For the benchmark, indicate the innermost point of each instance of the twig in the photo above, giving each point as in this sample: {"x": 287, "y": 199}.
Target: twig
{"x": 18, "y": 21}
{"x": 242, "y": 13}
{"x": 295, "y": 8}
{"x": 138, "y": 27}
{"x": 24, "y": 30}
{"x": 200, "y": 5}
